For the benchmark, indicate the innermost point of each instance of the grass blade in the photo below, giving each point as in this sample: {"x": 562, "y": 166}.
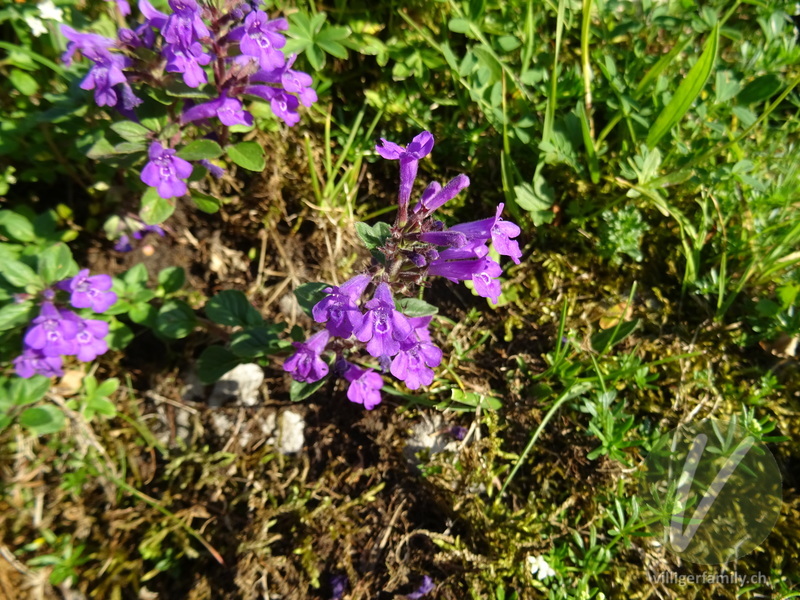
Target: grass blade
{"x": 550, "y": 109}
{"x": 687, "y": 92}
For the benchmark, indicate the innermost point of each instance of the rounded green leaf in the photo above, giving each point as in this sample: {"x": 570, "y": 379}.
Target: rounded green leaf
{"x": 248, "y": 155}
{"x": 175, "y": 319}
{"x": 458, "y": 25}
{"x": 231, "y": 307}
{"x": 42, "y": 420}
{"x": 200, "y": 149}
{"x": 205, "y": 202}
{"x": 171, "y": 279}
{"x": 214, "y": 362}
{"x": 155, "y": 209}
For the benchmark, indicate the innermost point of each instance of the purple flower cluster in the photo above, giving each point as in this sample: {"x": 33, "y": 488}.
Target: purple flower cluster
{"x": 59, "y": 332}
{"x": 419, "y": 246}
{"x": 128, "y": 230}
{"x": 240, "y": 46}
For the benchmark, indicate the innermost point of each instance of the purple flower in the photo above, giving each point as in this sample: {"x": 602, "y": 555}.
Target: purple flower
{"x": 184, "y": 26}
{"x": 187, "y": 60}
{"x": 228, "y": 110}
{"x": 496, "y": 229}
{"x": 338, "y": 586}
{"x": 481, "y": 272}
{"x": 450, "y": 238}
{"x": 458, "y": 432}
{"x": 123, "y": 244}
{"x": 164, "y": 171}
{"x": 306, "y": 365}
{"x": 283, "y": 105}
{"x": 384, "y": 327}
{"x": 140, "y": 233}
{"x": 470, "y": 250}
{"x": 434, "y": 197}
{"x": 33, "y": 362}
{"x": 123, "y": 6}
{"x": 127, "y": 102}
{"x": 365, "y": 385}
{"x": 50, "y": 333}
{"x": 154, "y": 19}
{"x": 212, "y": 168}
{"x": 103, "y": 76}
{"x": 413, "y": 364}
{"x": 90, "y": 339}
{"x": 339, "y": 309}
{"x": 425, "y": 588}
{"x": 259, "y": 38}
{"x": 83, "y": 42}
{"x": 294, "y": 82}
{"x": 409, "y": 159}
{"x": 89, "y": 292}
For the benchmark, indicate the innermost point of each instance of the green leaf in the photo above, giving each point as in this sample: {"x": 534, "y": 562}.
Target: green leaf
{"x": 201, "y": 149}
{"x": 333, "y": 48}
{"x": 136, "y": 277}
{"x": 130, "y": 131}
{"x": 41, "y": 420}
{"x": 18, "y": 274}
{"x": 108, "y": 387}
{"x": 256, "y": 341}
{"x": 508, "y": 43}
{"x": 726, "y": 85}
{"x": 472, "y": 400}
{"x": 760, "y": 89}
{"x": 102, "y": 148}
{"x": 588, "y": 144}
{"x": 656, "y": 70}
{"x": 26, "y": 84}
{"x": 537, "y": 199}
{"x": 458, "y": 25}
{"x": 214, "y": 362}
{"x": 608, "y": 338}
{"x": 28, "y": 391}
{"x": 490, "y": 62}
{"x": 155, "y": 209}
{"x": 300, "y": 391}
{"x": 119, "y": 335}
{"x": 333, "y": 33}
{"x": 129, "y": 148}
{"x": 56, "y": 264}
{"x": 101, "y": 406}
{"x": 175, "y": 320}
{"x": 171, "y": 279}
{"x": 414, "y": 307}
{"x": 13, "y": 315}
{"x": 16, "y": 227}
{"x": 309, "y": 294}
{"x": 205, "y": 202}
{"x": 231, "y": 307}
{"x": 315, "y": 56}
{"x": 687, "y": 91}
{"x": 248, "y": 155}
{"x": 143, "y": 314}
{"x": 178, "y": 89}
{"x": 373, "y": 236}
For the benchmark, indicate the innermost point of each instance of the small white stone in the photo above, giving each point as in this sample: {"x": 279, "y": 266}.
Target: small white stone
{"x": 36, "y": 25}
{"x": 240, "y": 383}
{"x": 48, "y": 10}
{"x": 430, "y": 434}
{"x": 290, "y": 432}
{"x": 538, "y": 566}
